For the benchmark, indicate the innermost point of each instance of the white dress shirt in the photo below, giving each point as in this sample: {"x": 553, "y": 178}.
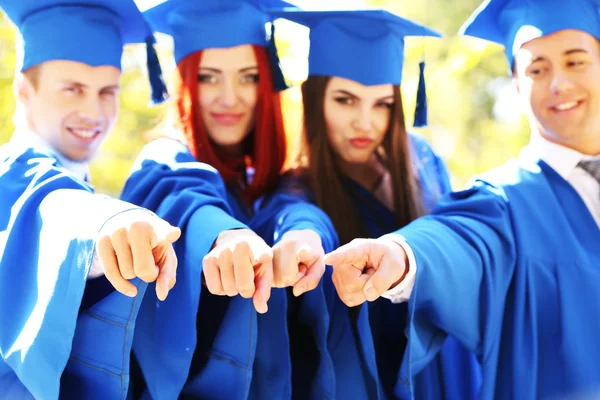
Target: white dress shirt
{"x": 562, "y": 159}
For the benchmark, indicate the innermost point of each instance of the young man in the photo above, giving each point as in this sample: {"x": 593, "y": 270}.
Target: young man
{"x": 510, "y": 265}
{"x": 62, "y": 325}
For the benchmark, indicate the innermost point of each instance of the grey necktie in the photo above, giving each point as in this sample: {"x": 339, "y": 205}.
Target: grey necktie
{"x": 592, "y": 167}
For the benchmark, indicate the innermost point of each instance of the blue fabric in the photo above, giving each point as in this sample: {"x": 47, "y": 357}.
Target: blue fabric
{"x": 455, "y": 372}
{"x": 308, "y": 316}
{"x": 366, "y": 46}
{"x": 511, "y": 23}
{"x": 366, "y": 344}
{"x": 198, "y": 25}
{"x": 48, "y": 342}
{"x": 88, "y": 31}
{"x": 196, "y": 345}
{"x": 524, "y": 297}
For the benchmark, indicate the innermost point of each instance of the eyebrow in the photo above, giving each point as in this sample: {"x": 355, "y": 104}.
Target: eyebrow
{"x": 341, "y": 91}
{"x": 566, "y": 53}
{"x": 218, "y": 71}
{"x": 573, "y": 51}
{"x": 73, "y": 83}
{"x": 111, "y": 87}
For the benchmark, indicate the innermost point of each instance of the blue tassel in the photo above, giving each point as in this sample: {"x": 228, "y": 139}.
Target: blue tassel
{"x": 278, "y": 79}
{"x": 157, "y": 84}
{"x": 421, "y": 108}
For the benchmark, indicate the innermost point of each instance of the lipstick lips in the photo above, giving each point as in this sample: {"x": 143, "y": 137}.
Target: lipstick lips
{"x": 361, "y": 143}
{"x": 227, "y": 119}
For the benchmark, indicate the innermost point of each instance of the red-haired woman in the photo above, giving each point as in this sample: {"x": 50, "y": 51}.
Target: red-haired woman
{"x": 213, "y": 181}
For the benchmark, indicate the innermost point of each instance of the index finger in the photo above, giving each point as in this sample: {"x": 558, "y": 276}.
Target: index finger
{"x": 141, "y": 237}
{"x": 353, "y": 253}
{"x": 263, "y": 282}
{"x": 167, "y": 274}
{"x": 243, "y": 269}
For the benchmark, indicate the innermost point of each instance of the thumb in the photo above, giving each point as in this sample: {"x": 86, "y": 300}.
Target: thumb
{"x": 165, "y": 233}
{"x": 304, "y": 255}
{"x": 262, "y": 254}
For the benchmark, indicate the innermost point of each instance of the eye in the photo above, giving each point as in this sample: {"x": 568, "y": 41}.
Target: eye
{"x": 575, "y": 63}
{"x": 537, "y": 72}
{"x": 108, "y": 92}
{"x": 207, "y": 78}
{"x": 72, "y": 90}
{"x": 384, "y": 104}
{"x": 345, "y": 100}
{"x": 249, "y": 78}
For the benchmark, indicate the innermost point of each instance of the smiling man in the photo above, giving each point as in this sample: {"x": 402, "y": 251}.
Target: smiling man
{"x": 510, "y": 266}
{"x": 74, "y": 265}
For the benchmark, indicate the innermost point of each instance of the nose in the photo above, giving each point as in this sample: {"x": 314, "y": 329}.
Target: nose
{"x": 363, "y": 120}
{"x": 229, "y": 95}
{"x": 560, "y": 82}
{"x": 90, "y": 108}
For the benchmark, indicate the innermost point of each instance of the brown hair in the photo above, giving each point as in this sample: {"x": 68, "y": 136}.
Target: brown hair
{"x": 327, "y": 180}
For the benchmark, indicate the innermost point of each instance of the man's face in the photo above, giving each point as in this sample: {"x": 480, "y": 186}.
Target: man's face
{"x": 71, "y": 105}
{"x": 559, "y": 77}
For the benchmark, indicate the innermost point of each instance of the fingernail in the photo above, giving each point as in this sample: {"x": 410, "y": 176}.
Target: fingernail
{"x": 131, "y": 293}
{"x": 371, "y": 293}
{"x": 263, "y": 309}
{"x": 300, "y": 290}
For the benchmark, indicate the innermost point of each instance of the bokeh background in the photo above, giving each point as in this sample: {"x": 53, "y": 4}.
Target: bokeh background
{"x": 475, "y": 118}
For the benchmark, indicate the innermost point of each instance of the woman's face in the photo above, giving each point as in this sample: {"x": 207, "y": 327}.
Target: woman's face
{"x": 357, "y": 118}
{"x": 227, "y": 93}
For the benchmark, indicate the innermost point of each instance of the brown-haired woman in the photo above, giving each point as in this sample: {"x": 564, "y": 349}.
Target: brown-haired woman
{"x": 372, "y": 177}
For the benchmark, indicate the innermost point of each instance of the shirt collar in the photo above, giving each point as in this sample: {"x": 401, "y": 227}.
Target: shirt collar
{"x": 562, "y": 159}
{"x": 27, "y": 139}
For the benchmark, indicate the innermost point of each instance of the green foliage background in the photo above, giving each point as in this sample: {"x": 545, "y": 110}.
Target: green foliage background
{"x": 464, "y": 77}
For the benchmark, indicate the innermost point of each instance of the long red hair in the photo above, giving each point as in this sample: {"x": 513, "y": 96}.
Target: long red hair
{"x": 267, "y": 152}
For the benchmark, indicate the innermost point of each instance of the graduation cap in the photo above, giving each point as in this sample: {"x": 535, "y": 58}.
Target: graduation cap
{"x": 512, "y": 23}
{"x": 202, "y": 24}
{"x": 87, "y": 31}
{"x": 366, "y": 46}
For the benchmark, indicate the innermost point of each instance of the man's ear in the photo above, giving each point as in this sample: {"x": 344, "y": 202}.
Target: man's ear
{"x": 23, "y": 89}
{"x": 516, "y": 83}
{"x": 514, "y": 76}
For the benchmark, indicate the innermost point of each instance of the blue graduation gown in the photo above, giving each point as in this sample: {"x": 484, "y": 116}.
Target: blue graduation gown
{"x": 195, "y": 344}
{"x": 455, "y": 372}
{"x": 59, "y": 335}
{"x": 353, "y": 338}
{"x": 524, "y": 298}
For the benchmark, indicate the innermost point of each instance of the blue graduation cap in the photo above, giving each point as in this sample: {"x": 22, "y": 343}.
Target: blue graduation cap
{"x": 366, "y": 46}
{"x": 201, "y": 24}
{"x": 88, "y": 31}
{"x": 512, "y": 23}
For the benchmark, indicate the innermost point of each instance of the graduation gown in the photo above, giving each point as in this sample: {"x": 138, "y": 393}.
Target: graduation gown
{"x": 367, "y": 344}
{"x": 510, "y": 268}
{"x": 455, "y": 372}
{"x": 198, "y": 345}
{"x": 59, "y": 334}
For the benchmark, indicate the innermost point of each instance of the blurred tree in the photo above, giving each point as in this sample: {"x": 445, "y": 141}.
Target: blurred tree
{"x": 474, "y": 117}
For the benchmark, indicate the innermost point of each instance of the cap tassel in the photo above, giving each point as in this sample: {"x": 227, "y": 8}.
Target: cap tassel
{"x": 421, "y": 108}
{"x": 278, "y": 78}
{"x": 157, "y": 84}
